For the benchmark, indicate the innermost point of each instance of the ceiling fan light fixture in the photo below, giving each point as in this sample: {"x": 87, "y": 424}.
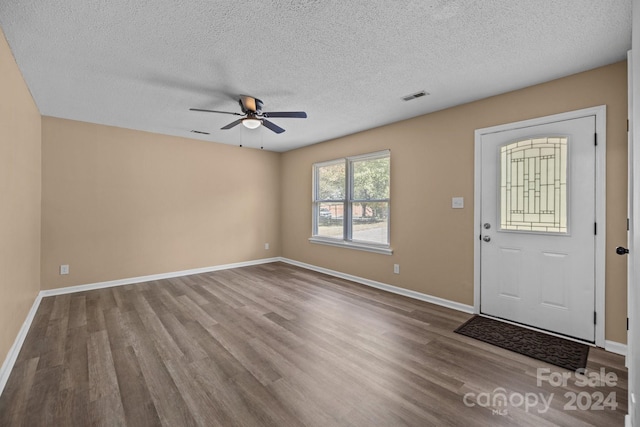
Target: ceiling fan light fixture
{"x": 251, "y": 123}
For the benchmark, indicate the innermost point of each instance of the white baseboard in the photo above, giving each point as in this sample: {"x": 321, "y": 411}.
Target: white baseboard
{"x": 385, "y": 287}
{"x": 12, "y": 356}
{"x": 141, "y": 279}
{"x": 615, "y": 347}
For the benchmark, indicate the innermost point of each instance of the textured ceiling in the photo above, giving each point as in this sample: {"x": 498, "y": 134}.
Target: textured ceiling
{"x": 142, "y": 64}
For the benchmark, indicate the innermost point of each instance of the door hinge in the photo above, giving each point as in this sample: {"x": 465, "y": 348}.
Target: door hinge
{"x": 628, "y": 224}
{"x": 627, "y": 125}
{"x": 595, "y": 228}
{"x": 627, "y": 323}
{"x": 595, "y": 318}
{"x": 595, "y": 139}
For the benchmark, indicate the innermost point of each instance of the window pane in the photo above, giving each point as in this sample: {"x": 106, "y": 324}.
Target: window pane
{"x": 371, "y": 179}
{"x": 330, "y": 220}
{"x": 533, "y": 185}
{"x": 331, "y": 182}
{"x": 370, "y": 222}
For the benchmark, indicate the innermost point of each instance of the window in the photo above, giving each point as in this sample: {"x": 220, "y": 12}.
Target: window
{"x": 351, "y": 202}
{"x": 533, "y": 185}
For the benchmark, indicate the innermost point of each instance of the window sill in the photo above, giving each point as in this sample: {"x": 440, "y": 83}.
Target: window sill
{"x": 351, "y": 245}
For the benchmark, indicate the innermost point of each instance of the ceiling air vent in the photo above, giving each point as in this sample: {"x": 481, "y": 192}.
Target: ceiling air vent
{"x": 200, "y": 132}
{"x": 415, "y": 95}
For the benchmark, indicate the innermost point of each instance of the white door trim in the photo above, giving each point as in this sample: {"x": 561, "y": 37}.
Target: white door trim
{"x": 631, "y": 258}
{"x": 600, "y": 113}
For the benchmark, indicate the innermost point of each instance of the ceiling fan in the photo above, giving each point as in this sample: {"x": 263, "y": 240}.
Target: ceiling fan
{"x": 254, "y": 116}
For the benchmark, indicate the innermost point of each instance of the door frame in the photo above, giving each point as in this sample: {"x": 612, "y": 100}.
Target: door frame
{"x": 600, "y": 113}
{"x": 633, "y": 237}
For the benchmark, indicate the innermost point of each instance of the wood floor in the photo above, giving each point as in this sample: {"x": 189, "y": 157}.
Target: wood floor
{"x": 276, "y": 345}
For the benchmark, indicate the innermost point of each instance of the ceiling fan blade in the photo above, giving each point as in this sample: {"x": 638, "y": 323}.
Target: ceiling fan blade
{"x": 270, "y": 125}
{"x": 232, "y": 124}
{"x": 215, "y": 111}
{"x": 293, "y": 114}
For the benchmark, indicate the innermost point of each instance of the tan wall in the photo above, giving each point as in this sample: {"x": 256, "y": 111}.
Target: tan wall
{"x": 19, "y": 199}
{"x": 432, "y": 160}
{"x": 119, "y": 203}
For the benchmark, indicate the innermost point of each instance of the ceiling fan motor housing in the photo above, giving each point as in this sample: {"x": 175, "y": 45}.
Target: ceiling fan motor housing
{"x": 245, "y": 109}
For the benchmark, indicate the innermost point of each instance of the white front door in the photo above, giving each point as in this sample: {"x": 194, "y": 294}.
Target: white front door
{"x": 537, "y": 215}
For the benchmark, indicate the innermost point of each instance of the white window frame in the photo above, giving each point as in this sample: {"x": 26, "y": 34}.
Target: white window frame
{"x": 347, "y": 240}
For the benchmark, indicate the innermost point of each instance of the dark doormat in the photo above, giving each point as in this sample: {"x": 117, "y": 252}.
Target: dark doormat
{"x": 557, "y": 351}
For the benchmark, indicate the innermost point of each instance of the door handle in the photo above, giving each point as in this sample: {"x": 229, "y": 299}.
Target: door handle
{"x": 487, "y": 238}
{"x": 622, "y": 251}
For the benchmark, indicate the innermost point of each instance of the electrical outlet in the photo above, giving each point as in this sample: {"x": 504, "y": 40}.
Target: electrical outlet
{"x": 396, "y": 268}
{"x": 64, "y": 269}
{"x": 266, "y": 246}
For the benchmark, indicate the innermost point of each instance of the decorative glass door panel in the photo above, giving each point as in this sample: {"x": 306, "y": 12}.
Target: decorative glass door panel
{"x": 533, "y": 185}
